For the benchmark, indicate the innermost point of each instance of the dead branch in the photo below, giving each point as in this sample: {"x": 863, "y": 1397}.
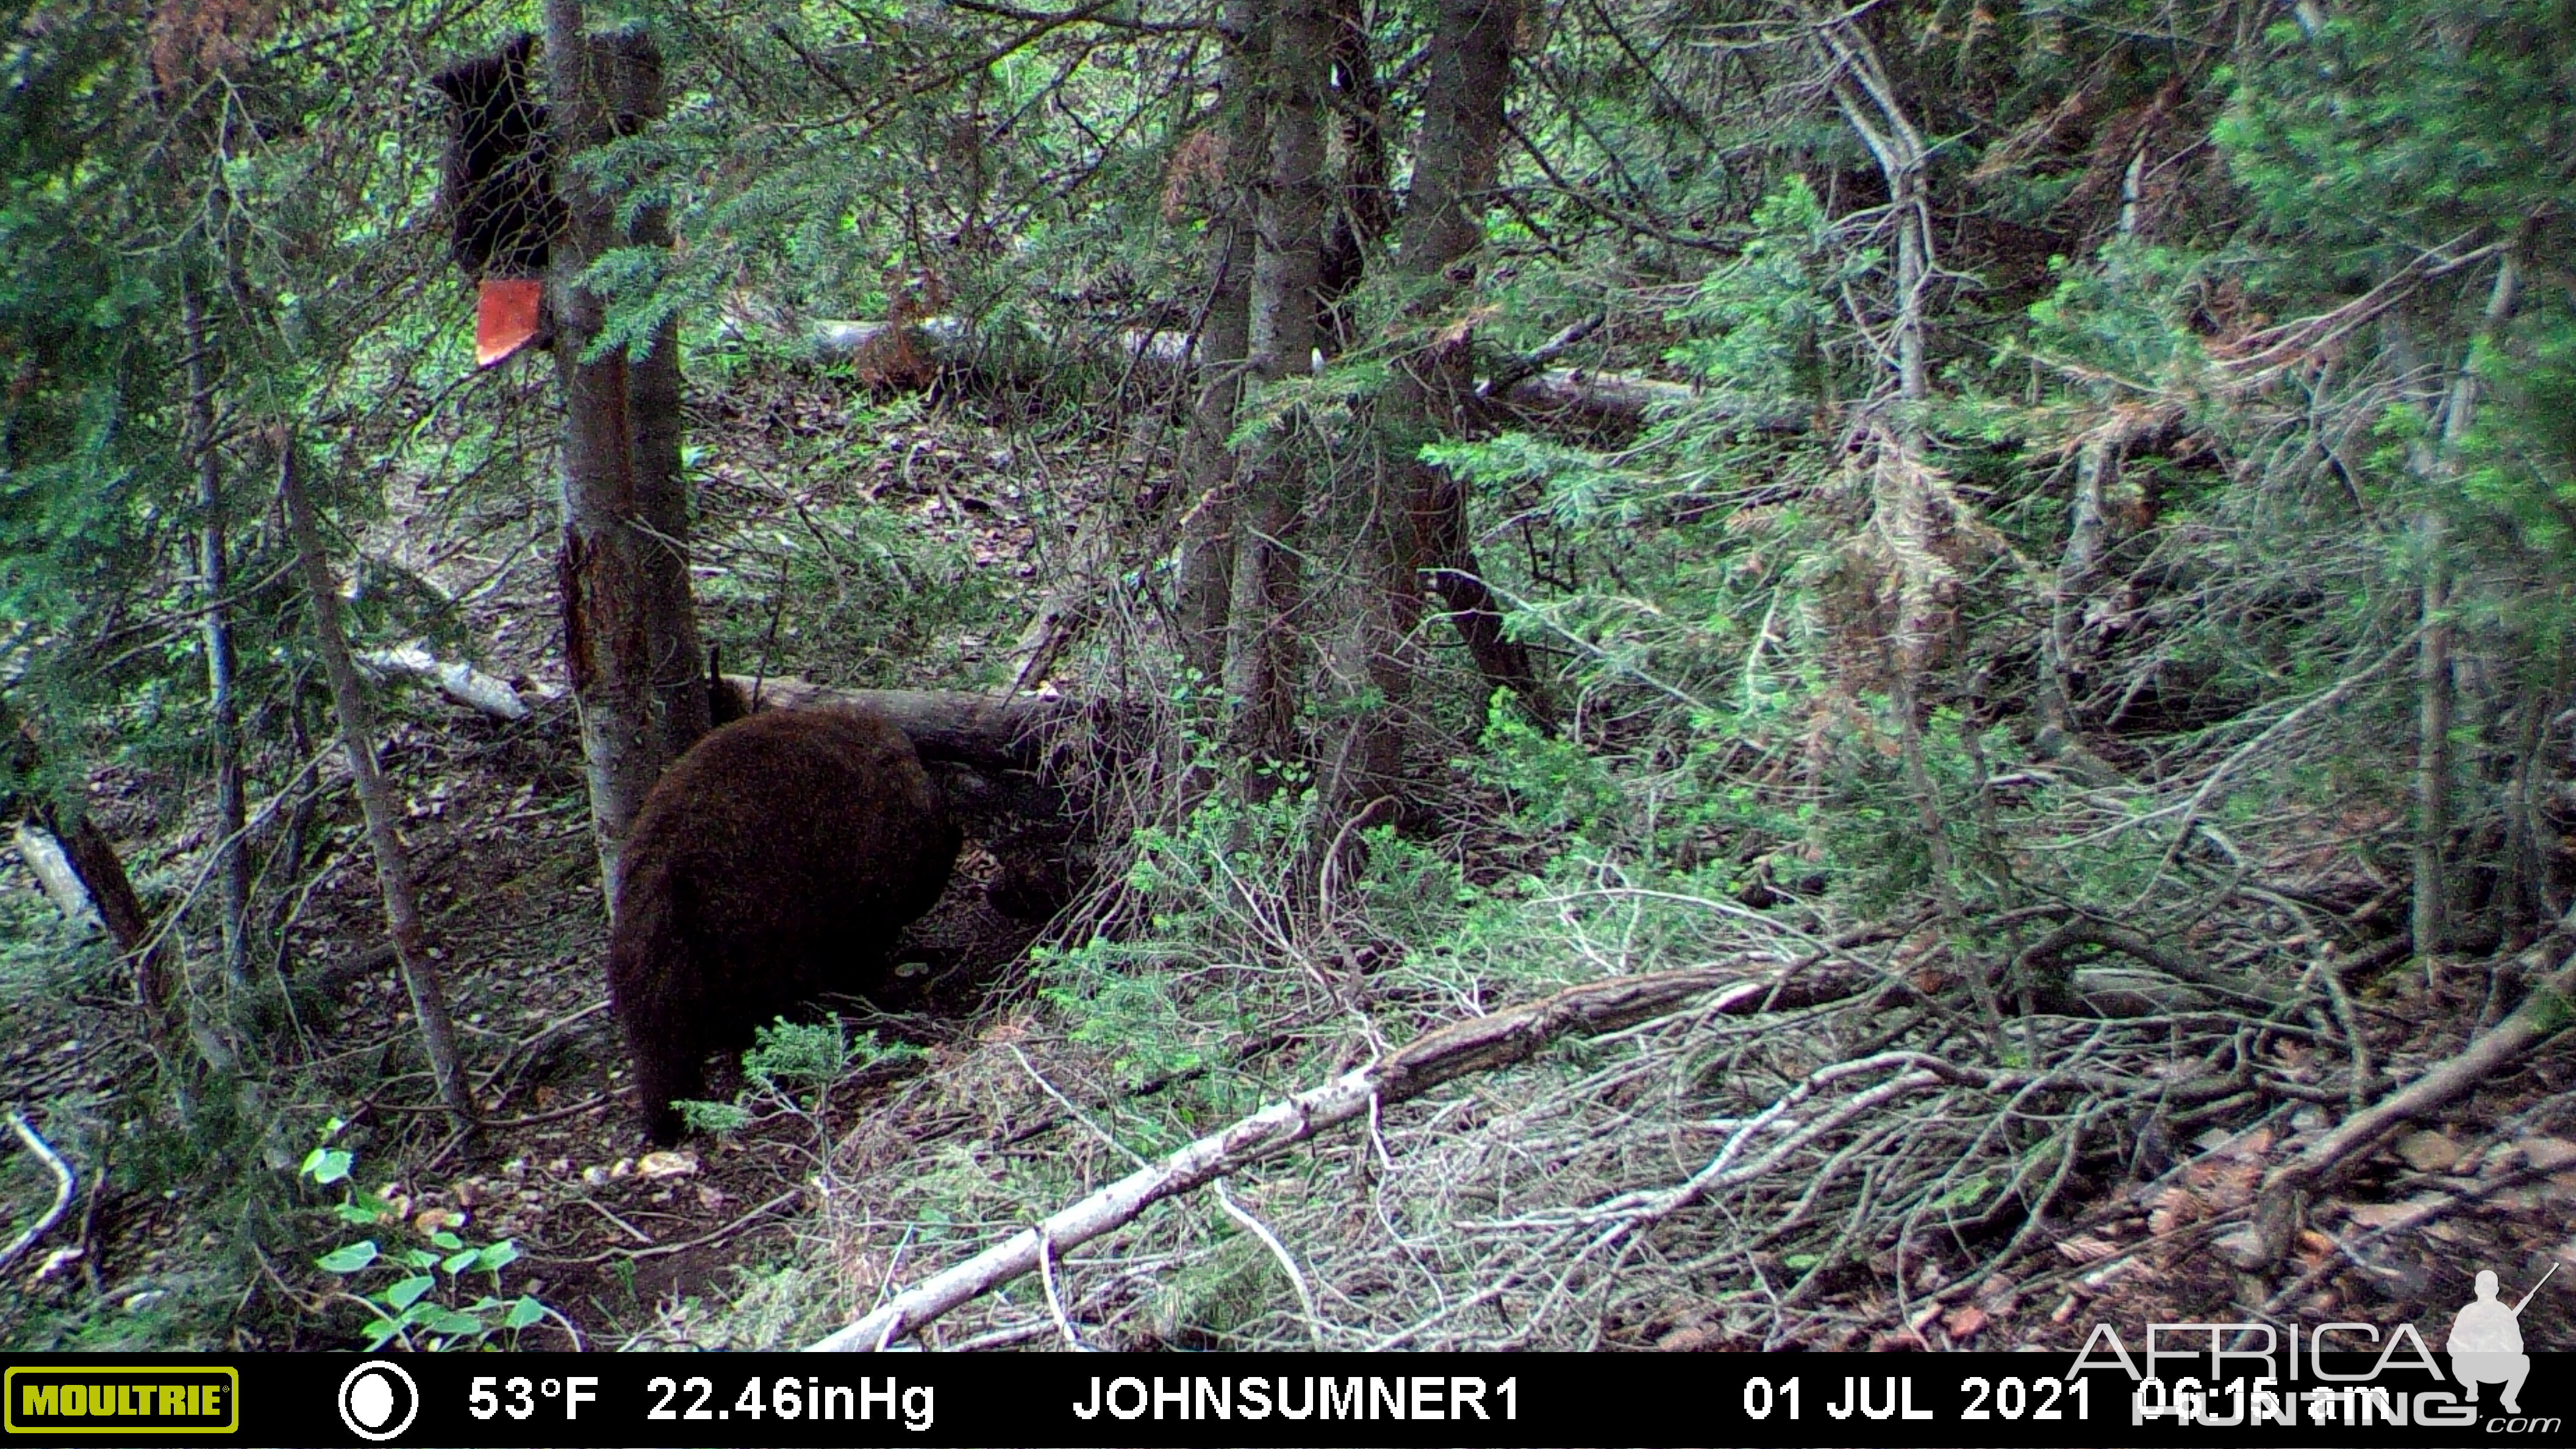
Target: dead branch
{"x": 459, "y": 681}
{"x": 1478, "y": 1044}
{"x": 45, "y": 857}
{"x": 2543, "y": 1014}
{"x": 1512, "y": 370}
{"x": 63, "y": 1187}
{"x": 659, "y": 1250}
{"x": 2092, "y": 931}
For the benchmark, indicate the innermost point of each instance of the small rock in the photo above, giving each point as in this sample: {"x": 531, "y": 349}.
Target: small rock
{"x": 2429, "y": 1151}
{"x": 2547, "y": 1153}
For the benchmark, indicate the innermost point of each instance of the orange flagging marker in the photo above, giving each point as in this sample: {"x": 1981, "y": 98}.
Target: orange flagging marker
{"x": 505, "y": 317}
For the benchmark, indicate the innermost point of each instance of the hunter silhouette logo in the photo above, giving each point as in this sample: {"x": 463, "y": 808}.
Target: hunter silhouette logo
{"x": 2486, "y": 1342}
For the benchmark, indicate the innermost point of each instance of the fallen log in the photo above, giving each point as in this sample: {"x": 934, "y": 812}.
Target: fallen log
{"x": 994, "y": 732}
{"x": 459, "y": 681}
{"x": 1557, "y": 396}
{"x": 1539, "y": 395}
{"x": 909, "y": 355}
{"x": 93, "y": 858}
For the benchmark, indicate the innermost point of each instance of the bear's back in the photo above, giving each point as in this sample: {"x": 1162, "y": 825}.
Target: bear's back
{"x": 789, "y": 849}
{"x": 784, "y": 819}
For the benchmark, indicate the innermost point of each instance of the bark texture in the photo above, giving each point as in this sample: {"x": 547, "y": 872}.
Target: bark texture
{"x": 1462, "y": 131}
{"x": 630, "y": 629}
{"x": 1263, "y": 652}
{"x": 1420, "y": 540}
{"x": 1206, "y": 547}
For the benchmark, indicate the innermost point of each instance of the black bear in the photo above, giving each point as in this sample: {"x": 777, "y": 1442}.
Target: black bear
{"x": 773, "y": 863}
{"x": 501, "y": 200}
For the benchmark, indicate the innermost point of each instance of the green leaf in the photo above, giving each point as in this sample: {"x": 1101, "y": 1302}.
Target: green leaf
{"x": 446, "y": 1240}
{"x": 327, "y": 1165}
{"x": 349, "y": 1259}
{"x": 381, "y": 1332}
{"x": 500, "y": 1255}
{"x": 407, "y": 1292}
{"x": 524, "y": 1312}
{"x": 459, "y": 1262}
{"x": 447, "y": 1320}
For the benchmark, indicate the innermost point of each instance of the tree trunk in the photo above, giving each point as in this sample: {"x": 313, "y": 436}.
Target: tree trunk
{"x": 2433, "y": 743}
{"x": 375, "y": 801}
{"x": 1453, "y": 169}
{"x": 2087, "y": 533}
{"x": 1261, "y": 673}
{"x": 653, "y": 412}
{"x": 1363, "y": 206}
{"x": 2434, "y": 681}
{"x": 630, "y": 630}
{"x": 223, "y": 733}
{"x": 1420, "y": 538}
{"x": 1206, "y": 548}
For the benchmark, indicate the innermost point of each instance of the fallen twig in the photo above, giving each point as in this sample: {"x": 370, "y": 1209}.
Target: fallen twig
{"x": 659, "y": 1250}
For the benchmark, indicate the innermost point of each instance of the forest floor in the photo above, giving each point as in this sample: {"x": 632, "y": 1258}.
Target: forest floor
{"x": 684, "y": 1248}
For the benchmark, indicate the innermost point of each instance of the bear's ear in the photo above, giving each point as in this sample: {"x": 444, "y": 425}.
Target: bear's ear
{"x": 469, "y": 81}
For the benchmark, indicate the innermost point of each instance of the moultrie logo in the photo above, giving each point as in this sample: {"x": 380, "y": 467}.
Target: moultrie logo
{"x": 2486, "y": 1342}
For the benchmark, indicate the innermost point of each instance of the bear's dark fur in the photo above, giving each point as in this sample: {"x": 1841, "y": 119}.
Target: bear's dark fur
{"x": 773, "y": 863}
{"x": 500, "y": 196}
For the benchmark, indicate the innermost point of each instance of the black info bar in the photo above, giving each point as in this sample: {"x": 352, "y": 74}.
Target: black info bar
{"x": 565, "y": 1401}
